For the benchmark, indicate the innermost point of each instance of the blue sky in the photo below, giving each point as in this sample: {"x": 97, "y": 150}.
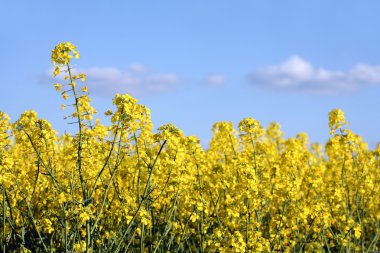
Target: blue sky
{"x": 194, "y": 63}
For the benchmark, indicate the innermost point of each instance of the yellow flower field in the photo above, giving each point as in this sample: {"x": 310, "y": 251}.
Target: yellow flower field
{"x": 124, "y": 187}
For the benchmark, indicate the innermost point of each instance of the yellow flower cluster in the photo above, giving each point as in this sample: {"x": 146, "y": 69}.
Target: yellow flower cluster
{"x": 122, "y": 187}
{"x": 62, "y": 54}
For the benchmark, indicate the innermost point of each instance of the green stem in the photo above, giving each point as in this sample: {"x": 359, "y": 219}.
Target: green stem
{"x": 79, "y": 147}
{"x": 79, "y": 158}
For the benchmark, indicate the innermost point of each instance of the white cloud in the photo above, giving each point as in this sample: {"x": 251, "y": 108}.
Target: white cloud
{"x": 138, "y": 68}
{"x": 296, "y": 74}
{"x": 215, "y": 80}
{"x": 135, "y": 80}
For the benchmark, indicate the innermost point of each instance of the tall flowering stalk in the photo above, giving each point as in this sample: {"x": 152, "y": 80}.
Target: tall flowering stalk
{"x": 61, "y": 57}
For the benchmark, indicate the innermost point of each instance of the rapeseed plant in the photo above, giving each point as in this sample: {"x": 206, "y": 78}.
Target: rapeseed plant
{"x": 125, "y": 188}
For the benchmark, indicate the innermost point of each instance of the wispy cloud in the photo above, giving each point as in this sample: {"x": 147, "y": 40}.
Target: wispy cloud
{"x": 297, "y": 74}
{"x": 215, "y": 80}
{"x": 136, "y": 80}
{"x": 138, "y": 68}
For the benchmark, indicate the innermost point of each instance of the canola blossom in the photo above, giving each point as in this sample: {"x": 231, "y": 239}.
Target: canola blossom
{"x": 124, "y": 187}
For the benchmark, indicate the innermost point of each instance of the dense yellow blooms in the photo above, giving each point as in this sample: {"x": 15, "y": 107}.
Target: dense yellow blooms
{"x": 62, "y": 54}
{"x": 110, "y": 188}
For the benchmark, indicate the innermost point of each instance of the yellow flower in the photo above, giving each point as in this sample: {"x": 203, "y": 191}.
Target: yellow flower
{"x": 83, "y": 77}
{"x": 61, "y": 198}
{"x": 83, "y": 217}
{"x": 57, "y": 86}
{"x": 358, "y": 232}
{"x": 47, "y": 226}
{"x": 56, "y": 71}
{"x": 80, "y": 246}
{"x": 108, "y": 112}
{"x": 336, "y": 119}
{"x": 62, "y": 53}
